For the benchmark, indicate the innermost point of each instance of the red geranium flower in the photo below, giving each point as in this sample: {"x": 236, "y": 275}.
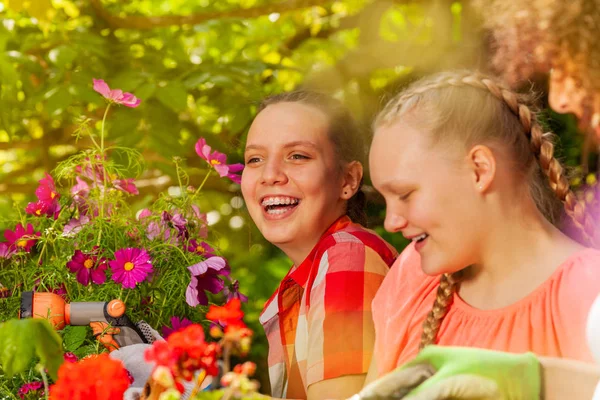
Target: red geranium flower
{"x": 94, "y": 378}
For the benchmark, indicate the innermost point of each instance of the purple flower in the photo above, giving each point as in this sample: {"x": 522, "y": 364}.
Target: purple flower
{"x": 130, "y": 266}
{"x": 75, "y": 225}
{"x": 232, "y": 291}
{"x": 201, "y": 248}
{"x": 21, "y": 237}
{"x": 70, "y": 357}
{"x": 88, "y": 267}
{"x": 29, "y": 387}
{"x": 116, "y": 95}
{"x": 126, "y": 185}
{"x": 176, "y": 325}
{"x": 205, "y": 276}
{"x": 6, "y": 251}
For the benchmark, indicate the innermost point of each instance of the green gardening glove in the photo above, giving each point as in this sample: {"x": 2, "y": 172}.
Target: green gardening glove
{"x": 471, "y": 373}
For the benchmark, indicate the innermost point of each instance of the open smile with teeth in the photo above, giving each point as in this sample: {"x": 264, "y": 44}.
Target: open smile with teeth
{"x": 420, "y": 238}
{"x": 276, "y": 205}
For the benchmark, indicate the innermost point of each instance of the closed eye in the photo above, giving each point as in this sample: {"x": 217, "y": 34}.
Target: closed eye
{"x": 405, "y": 196}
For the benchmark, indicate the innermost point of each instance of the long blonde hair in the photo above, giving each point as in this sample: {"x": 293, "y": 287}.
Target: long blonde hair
{"x": 471, "y": 108}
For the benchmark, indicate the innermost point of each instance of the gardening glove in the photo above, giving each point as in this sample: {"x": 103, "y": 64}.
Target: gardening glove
{"x": 396, "y": 384}
{"x": 471, "y": 373}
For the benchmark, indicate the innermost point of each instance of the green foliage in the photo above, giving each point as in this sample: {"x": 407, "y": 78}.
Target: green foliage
{"x": 20, "y": 340}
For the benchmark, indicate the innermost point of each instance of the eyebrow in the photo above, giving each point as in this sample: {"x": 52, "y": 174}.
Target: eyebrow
{"x": 295, "y": 143}
{"x": 395, "y": 185}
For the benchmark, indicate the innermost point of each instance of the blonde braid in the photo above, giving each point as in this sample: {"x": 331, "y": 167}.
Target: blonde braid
{"x": 541, "y": 147}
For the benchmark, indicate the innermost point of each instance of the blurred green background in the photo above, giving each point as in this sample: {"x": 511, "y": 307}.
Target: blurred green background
{"x": 200, "y": 68}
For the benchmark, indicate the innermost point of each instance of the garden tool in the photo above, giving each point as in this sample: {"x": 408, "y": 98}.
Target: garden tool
{"x": 108, "y": 320}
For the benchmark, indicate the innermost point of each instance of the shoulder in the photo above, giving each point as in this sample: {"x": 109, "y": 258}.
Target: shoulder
{"x": 578, "y": 278}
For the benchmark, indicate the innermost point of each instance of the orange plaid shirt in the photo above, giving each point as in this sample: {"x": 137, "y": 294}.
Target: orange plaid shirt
{"x": 318, "y": 322}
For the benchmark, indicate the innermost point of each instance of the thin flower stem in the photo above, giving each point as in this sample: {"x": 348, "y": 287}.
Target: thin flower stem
{"x": 45, "y": 379}
{"x": 201, "y": 185}
{"x": 102, "y": 158}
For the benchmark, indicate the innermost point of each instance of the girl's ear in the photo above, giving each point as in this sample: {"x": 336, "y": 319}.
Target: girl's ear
{"x": 353, "y": 175}
{"x": 483, "y": 165}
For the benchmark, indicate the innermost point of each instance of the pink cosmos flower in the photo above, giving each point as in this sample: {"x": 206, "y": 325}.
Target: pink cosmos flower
{"x": 6, "y": 251}
{"x": 47, "y": 190}
{"x": 30, "y": 387}
{"x": 40, "y": 208}
{"x": 218, "y": 161}
{"x": 75, "y": 225}
{"x": 88, "y": 267}
{"x": 201, "y": 248}
{"x": 21, "y": 238}
{"x": 126, "y": 185}
{"x": 233, "y": 170}
{"x": 116, "y": 95}
{"x": 130, "y": 266}
{"x": 176, "y": 325}
{"x": 48, "y": 196}
{"x": 205, "y": 276}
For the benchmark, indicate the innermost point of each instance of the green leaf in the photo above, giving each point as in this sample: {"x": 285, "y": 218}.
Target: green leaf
{"x": 173, "y": 96}
{"x": 20, "y": 339}
{"x": 145, "y": 91}
{"x": 74, "y": 337}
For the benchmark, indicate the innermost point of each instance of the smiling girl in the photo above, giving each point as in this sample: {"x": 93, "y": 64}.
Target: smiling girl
{"x": 469, "y": 175}
{"x": 302, "y": 186}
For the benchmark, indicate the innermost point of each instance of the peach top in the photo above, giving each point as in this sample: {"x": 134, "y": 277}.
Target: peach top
{"x": 550, "y": 321}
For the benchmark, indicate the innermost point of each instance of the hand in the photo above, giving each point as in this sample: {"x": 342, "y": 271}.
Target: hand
{"x": 396, "y": 384}
{"x": 471, "y": 373}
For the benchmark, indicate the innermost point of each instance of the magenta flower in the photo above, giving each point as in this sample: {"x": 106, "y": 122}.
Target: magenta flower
{"x": 40, "y": 208}
{"x": 218, "y": 161}
{"x": 176, "y": 325}
{"x": 201, "y": 248}
{"x": 6, "y": 251}
{"x": 88, "y": 267}
{"x": 47, "y": 190}
{"x": 232, "y": 174}
{"x": 48, "y": 196}
{"x": 205, "y": 277}
{"x": 126, "y": 185}
{"x": 130, "y": 266}
{"x": 30, "y": 387}
{"x": 21, "y": 238}
{"x": 116, "y": 95}
{"x": 232, "y": 291}
{"x": 70, "y": 357}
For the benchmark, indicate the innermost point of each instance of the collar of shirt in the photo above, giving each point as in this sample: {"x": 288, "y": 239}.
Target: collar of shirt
{"x": 300, "y": 273}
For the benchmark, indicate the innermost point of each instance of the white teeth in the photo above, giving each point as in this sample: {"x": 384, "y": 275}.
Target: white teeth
{"x": 272, "y": 201}
{"x": 420, "y": 237}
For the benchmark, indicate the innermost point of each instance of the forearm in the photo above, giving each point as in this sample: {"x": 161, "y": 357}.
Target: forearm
{"x": 568, "y": 379}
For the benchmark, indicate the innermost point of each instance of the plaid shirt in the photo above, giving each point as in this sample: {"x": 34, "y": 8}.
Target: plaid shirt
{"x": 318, "y": 323}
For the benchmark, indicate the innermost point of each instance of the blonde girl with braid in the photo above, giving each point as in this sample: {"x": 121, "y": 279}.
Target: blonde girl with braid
{"x": 470, "y": 176}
